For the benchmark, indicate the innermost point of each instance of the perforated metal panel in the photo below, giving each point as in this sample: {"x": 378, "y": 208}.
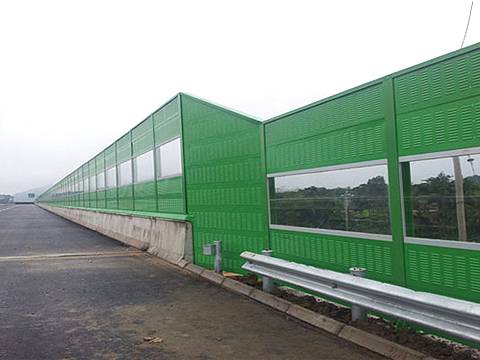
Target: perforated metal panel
{"x": 438, "y": 106}
{"x": 100, "y": 162}
{"x": 453, "y": 272}
{"x": 110, "y": 159}
{"x": 334, "y": 252}
{"x": 145, "y": 198}
{"x": 170, "y": 195}
{"x": 142, "y": 137}
{"x": 350, "y": 128}
{"x": 111, "y": 199}
{"x": 124, "y": 148}
{"x": 167, "y": 123}
{"x": 125, "y": 198}
{"x": 222, "y": 159}
{"x": 100, "y": 167}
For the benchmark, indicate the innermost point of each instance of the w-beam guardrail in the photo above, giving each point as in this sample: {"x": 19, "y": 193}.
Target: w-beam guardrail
{"x": 447, "y": 315}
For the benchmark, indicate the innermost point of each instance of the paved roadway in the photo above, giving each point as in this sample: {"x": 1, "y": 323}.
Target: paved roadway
{"x": 67, "y": 292}
{"x": 5, "y": 206}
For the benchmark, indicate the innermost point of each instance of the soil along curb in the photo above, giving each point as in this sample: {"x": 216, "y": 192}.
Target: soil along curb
{"x": 372, "y": 342}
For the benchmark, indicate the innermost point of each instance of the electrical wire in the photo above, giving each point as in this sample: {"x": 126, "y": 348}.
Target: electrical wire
{"x": 468, "y": 23}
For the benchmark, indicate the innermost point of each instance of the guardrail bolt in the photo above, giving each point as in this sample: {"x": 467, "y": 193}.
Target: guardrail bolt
{"x": 218, "y": 256}
{"x": 359, "y": 313}
{"x": 267, "y": 282}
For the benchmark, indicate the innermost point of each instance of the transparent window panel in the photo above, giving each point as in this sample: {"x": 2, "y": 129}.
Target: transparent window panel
{"x": 442, "y": 198}
{"x": 125, "y": 173}
{"x": 86, "y": 185}
{"x": 144, "y": 167}
{"x": 93, "y": 183}
{"x": 111, "y": 178}
{"x": 170, "y": 156}
{"x": 350, "y": 199}
{"x": 101, "y": 181}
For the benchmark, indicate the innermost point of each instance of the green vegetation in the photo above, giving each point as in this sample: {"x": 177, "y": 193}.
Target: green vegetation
{"x": 434, "y": 208}
{"x": 363, "y": 208}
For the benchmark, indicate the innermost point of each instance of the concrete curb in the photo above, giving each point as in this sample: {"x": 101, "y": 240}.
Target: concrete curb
{"x": 354, "y": 335}
{"x": 212, "y": 277}
{"x": 270, "y": 300}
{"x": 237, "y": 287}
{"x": 194, "y": 268}
{"x": 379, "y": 345}
{"x": 320, "y": 321}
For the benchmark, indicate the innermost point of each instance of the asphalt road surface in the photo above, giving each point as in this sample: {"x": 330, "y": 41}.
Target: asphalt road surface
{"x": 5, "y": 206}
{"x": 67, "y": 292}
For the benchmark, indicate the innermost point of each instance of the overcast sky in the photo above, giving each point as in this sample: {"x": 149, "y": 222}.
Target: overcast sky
{"x": 76, "y": 75}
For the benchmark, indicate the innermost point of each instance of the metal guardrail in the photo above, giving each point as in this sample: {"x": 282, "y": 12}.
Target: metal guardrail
{"x": 455, "y": 317}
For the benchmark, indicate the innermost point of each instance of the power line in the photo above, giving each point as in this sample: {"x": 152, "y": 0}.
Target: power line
{"x": 468, "y": 23}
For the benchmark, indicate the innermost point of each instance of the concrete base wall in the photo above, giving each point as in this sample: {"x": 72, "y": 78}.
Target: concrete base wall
{"x": 168, "y": 239}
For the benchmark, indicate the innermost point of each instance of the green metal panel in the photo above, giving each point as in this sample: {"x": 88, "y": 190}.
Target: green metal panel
{"x": 347, "y": 129}
{"x": 124, "y": 148}
{"x": 101, "y": 199}
{"x": 142, "y": 137}
{"x": 166, "y": 122}
{"x": 70, "y": 193}
{"x": 110, "y": 159}
{"x": 170, "y": 195}
{"x": 125, "y": 198}
{"x": 445, "y": 271}
{"x": 79, "y": 197}
{"x": 92, "y": 194}
{"x": 142, "y": 141}
{"x": 111, "y": 198}
{"x": 141, "y": 198}
{"x": 394, "y": 182}
{"x": 100, "y": 168}
{"x": 91, "y": 167}
{"x": 431, "y": 107}
{"x": 167, "y": 125}
{"x": 100, "y": 162}
{"x": 124, "y": 153}
{"x": 223, "y": 173}
{"x": 438, "y": 106}
{"x": 335, "y": 252}
{"x": 86, "y": 196}
{"x": 145, "y": 198}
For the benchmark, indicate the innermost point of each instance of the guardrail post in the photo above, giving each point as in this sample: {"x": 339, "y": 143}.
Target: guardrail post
{"x": 267, "y": 282}
{"x": 218, "y": 256}
{"x": 358, "y": 313}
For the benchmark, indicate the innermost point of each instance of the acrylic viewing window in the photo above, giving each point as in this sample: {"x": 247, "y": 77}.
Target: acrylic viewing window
{"x": 442, "y": 198}
{"x": 93, "y": 183}
{"x": 353, "y": 199}
{"x": 144, "y": 167}
{"x": 111, "y": 178}
{"x": 169, "y": 157}
{"x": 125, "y": 173}
{"x": 101, "y": 181}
